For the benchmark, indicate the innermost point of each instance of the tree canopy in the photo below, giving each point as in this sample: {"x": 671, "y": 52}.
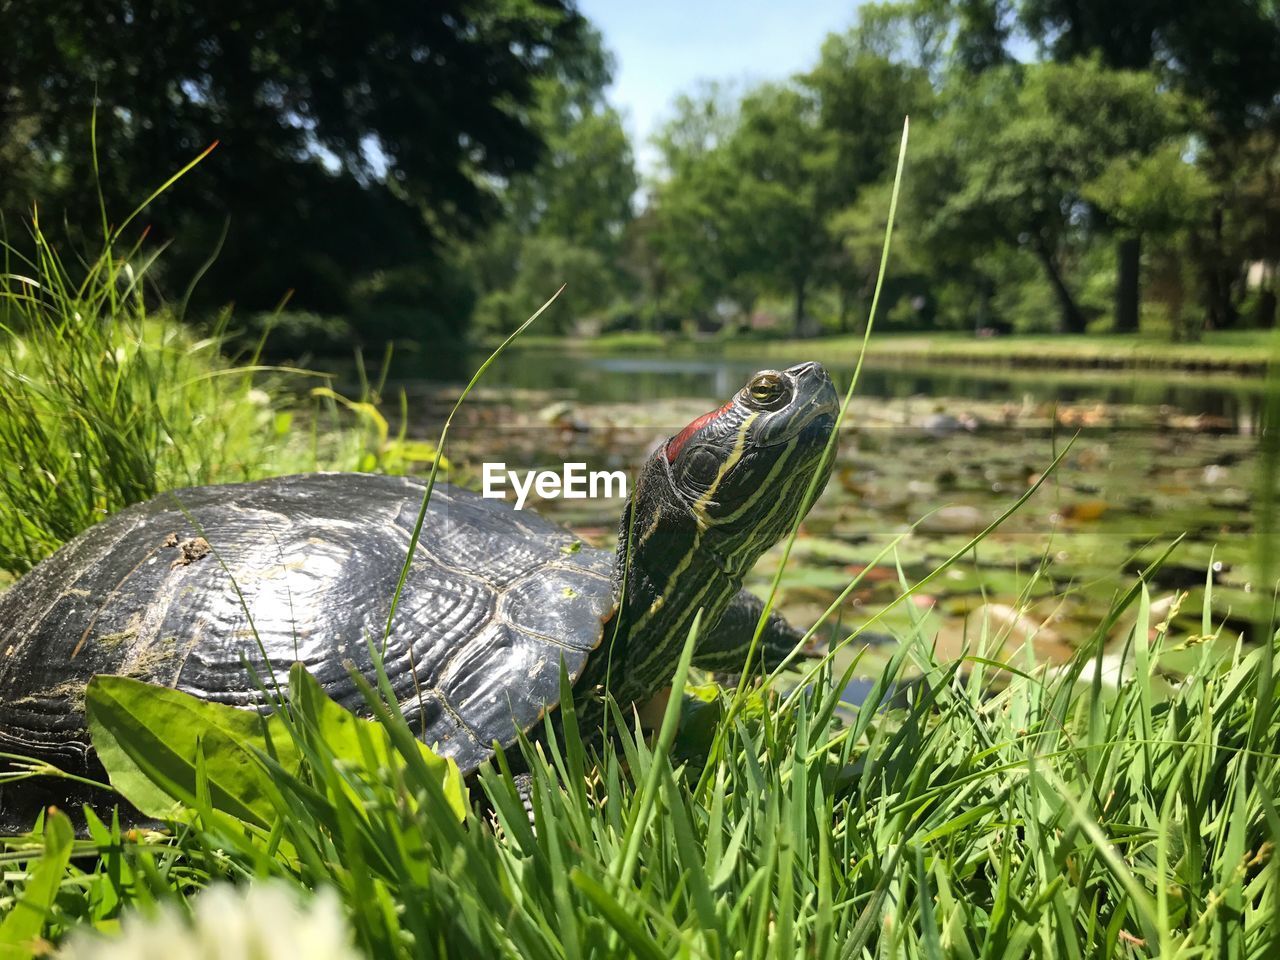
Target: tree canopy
{"x": 438, "y": 171}
{"x": 350, "y": 135}
{"x": 1145, "y": 132}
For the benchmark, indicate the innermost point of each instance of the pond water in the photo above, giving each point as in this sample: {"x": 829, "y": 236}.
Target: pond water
{"x": 931, "y": 456}
{"x": 637, "y": 376}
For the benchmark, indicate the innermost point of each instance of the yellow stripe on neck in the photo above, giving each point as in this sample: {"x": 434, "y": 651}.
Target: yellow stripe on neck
{"x": 739, "y": 446}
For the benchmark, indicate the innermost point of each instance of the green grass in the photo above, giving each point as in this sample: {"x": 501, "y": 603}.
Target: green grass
{"x": 1233, "y": 350}
{"x": 1244, "y": 351}
{"x": 106, "y": 399}
{"x": 621, "y": 342}
{"x": 972, "y": 808}
{"x": 983, "y": 809}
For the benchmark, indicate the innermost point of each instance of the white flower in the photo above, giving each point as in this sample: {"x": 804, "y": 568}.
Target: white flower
{"x": 263, "y": 921}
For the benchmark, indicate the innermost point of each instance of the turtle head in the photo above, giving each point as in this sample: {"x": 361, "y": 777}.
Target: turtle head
{"x": 706, "y": 504}
{"x": 736, "y": 476}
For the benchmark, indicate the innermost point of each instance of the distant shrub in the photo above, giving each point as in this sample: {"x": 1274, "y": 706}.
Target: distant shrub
{"x": 424, "y": 303}
{"x": 300, "y": 333}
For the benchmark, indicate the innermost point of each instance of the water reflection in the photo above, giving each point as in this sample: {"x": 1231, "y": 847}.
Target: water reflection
{"x": 648, "y": 377}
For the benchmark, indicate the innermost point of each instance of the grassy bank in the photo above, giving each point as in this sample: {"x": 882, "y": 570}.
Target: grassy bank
{"x": 1243, "y": 352}
{"x": 976, "y": 807}
{"x": 986, "y": 809}
{"x": 107, "y": 399}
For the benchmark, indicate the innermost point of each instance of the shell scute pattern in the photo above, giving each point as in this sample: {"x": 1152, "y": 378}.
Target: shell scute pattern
{"x": 440, "y": 728}
{"x": 545, "y": 603}
{"x": 501, "y": 683}
{"x": 304, "y": 568}
{"x": 463, "y": 530}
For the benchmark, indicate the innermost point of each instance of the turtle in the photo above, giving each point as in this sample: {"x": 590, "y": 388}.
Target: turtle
{"x": 192, "y": 587}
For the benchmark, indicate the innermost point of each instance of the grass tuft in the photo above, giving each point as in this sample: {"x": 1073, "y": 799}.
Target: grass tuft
{"x": 970, "y": 809}
{"x": 106, "y": 400}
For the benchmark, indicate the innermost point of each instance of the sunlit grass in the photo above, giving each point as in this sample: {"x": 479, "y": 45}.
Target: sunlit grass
{"x": 107, "y": 399}
{"x": 968, "y": 808}
{"x": 1222, "y": 352}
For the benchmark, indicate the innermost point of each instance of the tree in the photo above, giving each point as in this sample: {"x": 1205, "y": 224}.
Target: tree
{"x": 564, "y": 220}
{"x": 1010, "y": 159}
{"x": 983, "y": 32}
{"x": 542, "y": 264}
{"x": 581, "y": 188}
{"x": 744, "y": 210}
{"x": 1225, "y": 56}
{"x": 866, "y": 82}
{"x": 784, "y": 160}
{"x": 1156, "y": 194}
{"x": 352, "y": 135}
{"x": 691, "y": 223}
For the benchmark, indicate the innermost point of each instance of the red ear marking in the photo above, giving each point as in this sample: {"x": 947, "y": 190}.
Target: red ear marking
{"x": 676, "y": 443}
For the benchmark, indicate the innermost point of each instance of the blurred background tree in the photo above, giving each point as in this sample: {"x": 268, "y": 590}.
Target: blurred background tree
{"x": 563, "y": 221}
{"x": 353, "y": 137}
{"x": 434, "y": 173}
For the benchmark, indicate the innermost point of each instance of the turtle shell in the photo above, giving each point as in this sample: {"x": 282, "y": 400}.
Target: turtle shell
{"x": 187, "y": 589}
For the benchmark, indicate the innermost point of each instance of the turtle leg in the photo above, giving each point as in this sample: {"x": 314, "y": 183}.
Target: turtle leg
{"x": 524, "y": 787}
{"x": 723, "y": 648}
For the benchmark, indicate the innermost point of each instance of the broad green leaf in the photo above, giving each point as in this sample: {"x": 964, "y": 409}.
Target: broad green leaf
{"x": 146, "y": 737}
{"x": 162, "y": 748}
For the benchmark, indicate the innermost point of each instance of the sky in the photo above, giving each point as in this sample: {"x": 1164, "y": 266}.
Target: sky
{"x": 664, "y": 47}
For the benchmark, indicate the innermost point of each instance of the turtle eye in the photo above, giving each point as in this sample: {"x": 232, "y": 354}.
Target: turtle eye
{"x": 768, "y": 390}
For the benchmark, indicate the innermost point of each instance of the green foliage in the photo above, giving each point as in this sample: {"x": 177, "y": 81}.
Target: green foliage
{"x": 1154, "y": 191}
{"x": 1047, "y": 814}
{"x": 102, "y": 404}
{"x": 27, "y": 915}
{"x": 175, "y": 756}
{"x": 543, "y": 264}
{"x": 427, "y": 303}
{"x": 1024, "y": 180}
{"x": 1136, "y": 139}
{"x": 354, "y": 136}
{"x": 1223, "y": 56}
{"x": 696, "y": 252}
{"x": 106, "y": 400}
{"x": 300, "y": 333}
{"x": 475, "y": 164}
{"x": 742, "y": 213}
{"x": 565, "y": 220}
{"x": 784, "y": 160}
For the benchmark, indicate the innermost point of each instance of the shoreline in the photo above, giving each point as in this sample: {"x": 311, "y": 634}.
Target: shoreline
{"x": 1243, "y": 353}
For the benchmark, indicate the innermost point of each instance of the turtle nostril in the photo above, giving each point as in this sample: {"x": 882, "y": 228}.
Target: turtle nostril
{"x": 813, "y": 375}
{"x": 812, "y": 371}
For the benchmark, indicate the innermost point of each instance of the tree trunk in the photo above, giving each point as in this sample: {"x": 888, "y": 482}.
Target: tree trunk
{"x": 802, "y": 288}
{"x": 982, "y": 314}
{"x": 1216, "y": 277}
{"x": 1128, "y": 284}
{"x": 1070, "y": 319}
{"x": 845, "y": 307}
{"x": 1264, "y": 313}
{"x": 1220, "y": 312}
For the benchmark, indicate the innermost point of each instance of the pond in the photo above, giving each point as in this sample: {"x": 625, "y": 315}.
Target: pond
{"x": 929, "y": 457}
